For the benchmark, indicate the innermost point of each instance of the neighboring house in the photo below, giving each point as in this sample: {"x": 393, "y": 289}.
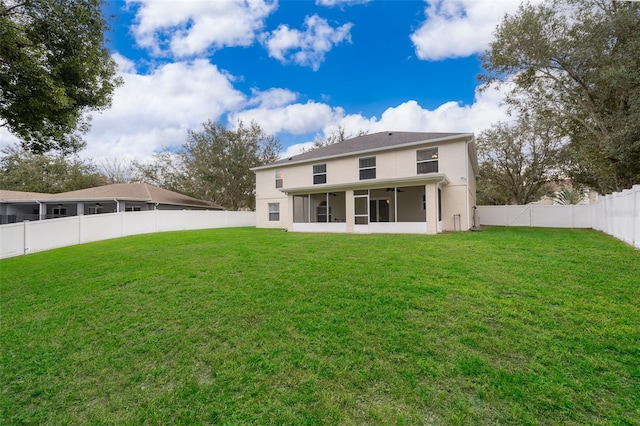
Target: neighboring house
{"x": 389, "y": 182}
{"x": 16, "y": 206}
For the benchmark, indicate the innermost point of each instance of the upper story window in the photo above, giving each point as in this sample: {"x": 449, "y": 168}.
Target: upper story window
{"x": 279, "y": 178}
{"x": 427, "y": 160}
{"x": 367, "y": 168}
{"x": 319, "y": 174}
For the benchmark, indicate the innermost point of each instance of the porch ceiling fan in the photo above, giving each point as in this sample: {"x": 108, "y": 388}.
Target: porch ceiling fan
{"x": 396, "y": 189}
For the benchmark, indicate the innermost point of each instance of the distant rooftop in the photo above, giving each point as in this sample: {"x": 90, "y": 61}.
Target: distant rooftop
{"x": 141, "y": 192}
{"x": 365, "y": 143}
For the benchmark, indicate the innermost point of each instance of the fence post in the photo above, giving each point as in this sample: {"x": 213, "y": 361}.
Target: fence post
{"x": 635, "y": 216}
{"x": 25, "y": 236}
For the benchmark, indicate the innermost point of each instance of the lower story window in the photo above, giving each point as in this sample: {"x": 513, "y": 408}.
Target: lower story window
{"x": 274, "y": 212}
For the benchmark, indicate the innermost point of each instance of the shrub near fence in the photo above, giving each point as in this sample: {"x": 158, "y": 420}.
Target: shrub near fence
{"x": 616, "y": 214}
{"x": 31, "y": 237}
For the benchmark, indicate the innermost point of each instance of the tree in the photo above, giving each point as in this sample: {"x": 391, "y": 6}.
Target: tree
{"x": 54, "y": 68}
{"x": 576, "y": 64}
{"x": 517, "y": 162}
{"x": 568, "y": 196}
{"x": 165, "y": 170}
{"x": 218, "y": 162}
{"x": 50, "y": 173}
{"x": 118, "y": 170}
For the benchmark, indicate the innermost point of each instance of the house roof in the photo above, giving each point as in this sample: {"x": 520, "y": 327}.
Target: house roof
{"x": 6, "y": 195}
{"x": 141, "y": 192}
{"x": 367, "y": 143}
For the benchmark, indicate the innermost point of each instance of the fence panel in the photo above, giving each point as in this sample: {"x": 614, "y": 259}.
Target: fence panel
{"x": 100, "y": 227}
{"x": 552, "y": 216}
{"x": 135, "y": 223}
{"x": 12, "y": 239}
{"x": 616, "y": 214}
{"x": 42, "y": 236}
{"x": 31, "y": 237}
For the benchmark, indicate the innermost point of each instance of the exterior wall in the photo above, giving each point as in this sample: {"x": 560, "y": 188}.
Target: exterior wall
{"x": 266, "y": 192}
{"x": 471, "y": 189}
{"x": 458, "y": 196}
{"x": 454, "y": 202}
{"x": 393, "y": 164}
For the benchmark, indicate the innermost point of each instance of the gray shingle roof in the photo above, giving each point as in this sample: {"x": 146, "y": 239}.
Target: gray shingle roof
{"x": 121, "y": 191}
{"x": 364, "y": 143}
{"x": 6, "y": 195}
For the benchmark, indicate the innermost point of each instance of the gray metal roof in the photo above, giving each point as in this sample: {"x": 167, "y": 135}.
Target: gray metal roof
{"x": 365, "y": 143}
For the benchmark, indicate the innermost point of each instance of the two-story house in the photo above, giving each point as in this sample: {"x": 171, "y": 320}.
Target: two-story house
{"x": 388, "y": 182}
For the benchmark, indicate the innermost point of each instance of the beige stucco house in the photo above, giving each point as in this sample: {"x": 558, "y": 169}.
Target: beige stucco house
{"x": 388, "y": 182}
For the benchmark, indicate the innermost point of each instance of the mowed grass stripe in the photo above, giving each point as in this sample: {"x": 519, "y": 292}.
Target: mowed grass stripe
{"x": 237, "y": 326}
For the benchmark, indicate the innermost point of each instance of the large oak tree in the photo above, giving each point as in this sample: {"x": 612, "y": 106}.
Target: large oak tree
{"x": 576, "y": 64}
{"x": 517, "y": 162}
{"x": 219, "y": 160}
{"x": 54, "y": 69}
{"x": 214, "y": 164}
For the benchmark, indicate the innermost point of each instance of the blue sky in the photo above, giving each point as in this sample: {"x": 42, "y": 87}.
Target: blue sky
{"x": 300, "y": 68}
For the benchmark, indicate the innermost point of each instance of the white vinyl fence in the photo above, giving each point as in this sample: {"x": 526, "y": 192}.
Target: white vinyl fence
{"x": 30, "y": 237}
{"x": 616, "y": 214}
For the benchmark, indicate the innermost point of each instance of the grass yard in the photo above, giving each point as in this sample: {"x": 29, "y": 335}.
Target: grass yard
{"x": 245, "y": 326}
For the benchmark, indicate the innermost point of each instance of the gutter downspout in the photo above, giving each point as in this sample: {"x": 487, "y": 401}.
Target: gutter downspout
{"x": 466, "y": 178}
{"x": 40, "y": 215}
{"x": 117, "y": 205}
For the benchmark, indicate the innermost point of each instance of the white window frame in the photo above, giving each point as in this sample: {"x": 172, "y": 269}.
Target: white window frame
{"x": 366, "y": 167}
{"x": 59, "y": 211}
{"x": 430, "y": 156}
{"x": 279, "y": 178}
{"x": 274, "y": 212}
{"x": 320, "y": 171}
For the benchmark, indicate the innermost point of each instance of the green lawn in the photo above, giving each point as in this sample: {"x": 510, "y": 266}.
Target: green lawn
{"x": 245, "y": 326}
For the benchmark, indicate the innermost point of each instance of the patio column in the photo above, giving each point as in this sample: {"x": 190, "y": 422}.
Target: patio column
{"x": 431, "y": 198}
{"x": 349, "y": 209}
{"x": 42, "y": 211}
{"x": 80, "y": 209}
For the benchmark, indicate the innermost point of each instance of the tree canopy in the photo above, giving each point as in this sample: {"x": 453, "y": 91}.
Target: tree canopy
{"x": 49, "y": 173}
{"x": 575, "y": 64}
{"x": 214, "y": 164}
{"x": 517, "y": 162}
{"x": 54, "y": 68}
{"x": 218, "y": 161}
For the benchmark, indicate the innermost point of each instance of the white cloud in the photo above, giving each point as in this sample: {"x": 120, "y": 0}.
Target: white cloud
{"x": 448, "y": 117}
{"x": 155, "y": 110}
{"x": 7, "y": 139}
{"x": 272, "y": 98}
{"x": 306, "y": 48}
{"x": 322, "y": 120}
{"x": 296, "y": 149}
{"x": 331, "y": 3}
{"x": 459, "y": 28}
{"x": 190, "y": 27}
{"x": 296, "y": 119}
